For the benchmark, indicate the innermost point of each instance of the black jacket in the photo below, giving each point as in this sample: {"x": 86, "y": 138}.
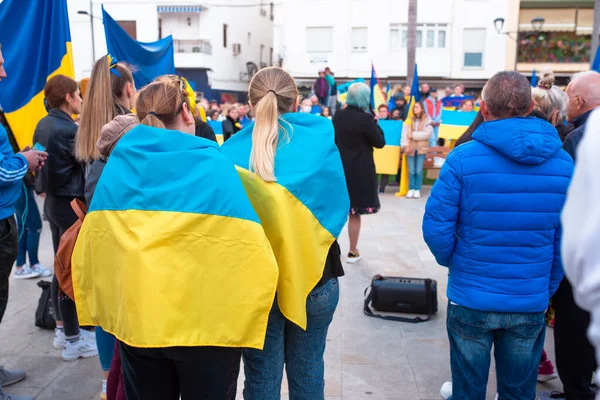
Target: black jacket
{"x": 356, "y": 133}
{"x": 572, "y": 141}
{"x": 229, "y": 127}
{"x": 204, "y": 130}
{"x": 62, "y": 175}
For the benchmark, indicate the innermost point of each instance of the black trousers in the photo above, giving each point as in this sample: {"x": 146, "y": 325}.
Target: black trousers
{"x": 575, "y": 356}
{"x": 61, "y": 217}
{"x": 9, "y": 239}
{"x": 194, "y": 373}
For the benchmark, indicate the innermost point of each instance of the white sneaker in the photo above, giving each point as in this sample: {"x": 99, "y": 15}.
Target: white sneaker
{"x": 446, "y": 390}
{"x": 25, "y": 273}
{"x": 44, "y": 272}
{"x": 83, "y": 348}
{"x": 417, "y": 194}
{"x": 410, "y": 194}
{"x": 353, "y": 257}
{"x": 91, "y": 335}
{"x": 60, "y": 340}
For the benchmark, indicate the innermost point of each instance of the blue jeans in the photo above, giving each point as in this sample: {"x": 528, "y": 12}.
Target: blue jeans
{"x": 415, "y": 171}
{"x": 301, "y": 351}
{"x": 29, "y": 240}
{"x": 518, "y": 340}
{"x": 434, "y": 136}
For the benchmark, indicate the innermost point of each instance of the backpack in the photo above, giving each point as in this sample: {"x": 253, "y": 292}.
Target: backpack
{"x": 44, "y": 311}
{"x": 62, "y": 261}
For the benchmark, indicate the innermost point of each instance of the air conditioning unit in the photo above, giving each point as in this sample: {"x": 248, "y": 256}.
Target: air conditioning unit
{"x": 237, "y": 49}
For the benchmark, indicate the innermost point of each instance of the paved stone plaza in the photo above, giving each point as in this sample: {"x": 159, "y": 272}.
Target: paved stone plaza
{"x": 366, "y": 358}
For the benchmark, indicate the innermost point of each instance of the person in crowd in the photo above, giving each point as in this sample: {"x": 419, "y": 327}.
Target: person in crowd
{"x": 29, "y": 226}
{"x": 575, "y": 357}
{"x": 315, "y": 106}
{"x": 383, "y": 112}
{"x": 356, "y": 134}
{"x": 401, "y": 105}
{"x": 467, "y": 106}
{"x": 306, "y": 106}
{"x": 244, "y": 119}
{"x": 268, "y": 156}
{"x": 62, "y": 180}
{"x": 326, "y": 112}
{"x": 332, "y": 104}
{"x": 321, "y": 89}
{"x": 425, "y": 90}
{"x": 231, "y": 123}
{"x": 397, "y": 89}
{"x": 458, "y": 91}
{"x": 204, "y": 104}
{"x": 580, "y": 247}
{"x": 551, "y": 101}
{"x": 448, "y": 91}
{"x": 396, "y": 114}
{"x": 195, "y": 360}
{"x": 500, "y": 179}
{"x": 214, "y": 105}
{"x": 204, "y": 130}
{"x": 13, "y": 167}
{"x": 468, "y": 135}
{"x": 213, "y": 115}
{"x": 406, "y": 90}
{"x": 415, "y": 144}
{"x": 433, "y": 108}
{"x": 111, "y": 92}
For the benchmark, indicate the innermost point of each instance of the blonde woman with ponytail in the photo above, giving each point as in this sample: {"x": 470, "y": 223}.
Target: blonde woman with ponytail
{"x": 171, "y": 258}
{"x": 110, "y": 92}
{"x": 293, "y": 175}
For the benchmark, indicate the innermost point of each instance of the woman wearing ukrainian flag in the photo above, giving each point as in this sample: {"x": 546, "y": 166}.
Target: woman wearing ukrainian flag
{"x": 171, "y": 258}
{"x": 293, "y": 175}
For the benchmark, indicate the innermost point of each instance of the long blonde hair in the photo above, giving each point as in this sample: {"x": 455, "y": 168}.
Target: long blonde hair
{"x": 272, "y": 92}
{"x": 102, "y": 96}
{"x": 159, "y": 103}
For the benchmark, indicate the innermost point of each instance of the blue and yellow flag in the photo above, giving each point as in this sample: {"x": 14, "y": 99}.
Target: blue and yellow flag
{"x": 378, "y": 97}
{"x": 455, "y": 123}
{"x": 171, "y": 252}
{"x": 415, "y": 95}
{"x": 342, "y": 89}
{"x": 217, "y": 127}
{"x": 36, "y": 45}
{"x": 302, "y": 213}
{"x": 387, "y": 160}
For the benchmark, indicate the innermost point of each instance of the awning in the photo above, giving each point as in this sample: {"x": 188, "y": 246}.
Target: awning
{"x": 585, "y": 21}
{"x": 179, "y": 9}
{"x": 556, "y": 20}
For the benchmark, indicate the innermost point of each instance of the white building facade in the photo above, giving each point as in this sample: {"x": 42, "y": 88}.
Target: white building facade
{"x": 216, "y": 45}
{"x": 456, "y": 39}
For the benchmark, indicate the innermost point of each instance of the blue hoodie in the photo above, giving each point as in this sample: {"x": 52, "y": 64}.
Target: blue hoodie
{"x": 493, "y": 216}
{"x": 12, "y": 170}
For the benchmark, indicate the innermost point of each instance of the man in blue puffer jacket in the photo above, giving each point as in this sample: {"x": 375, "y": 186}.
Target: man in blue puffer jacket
{"x": 493, "y": 219}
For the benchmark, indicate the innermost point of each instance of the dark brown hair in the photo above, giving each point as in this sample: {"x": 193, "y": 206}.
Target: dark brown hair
{"x": 56, "y": 90}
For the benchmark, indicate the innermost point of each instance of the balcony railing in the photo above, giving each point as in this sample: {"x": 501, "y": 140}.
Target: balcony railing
{"x": 192, "y": 46}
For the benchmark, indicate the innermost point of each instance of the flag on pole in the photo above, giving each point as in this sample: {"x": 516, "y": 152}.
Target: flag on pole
{"x": 596, "y": 63}
{"x": 415, "y": 96}
{"x": 533, "y": 78}
{"x": 36, "y": 45}
{"x": 377, "y": 95}
{"x": 388, "y": 92}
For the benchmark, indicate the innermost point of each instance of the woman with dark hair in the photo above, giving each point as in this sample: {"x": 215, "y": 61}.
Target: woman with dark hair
{"x": 468, "y": 135}
{"x": 62, "y": 179}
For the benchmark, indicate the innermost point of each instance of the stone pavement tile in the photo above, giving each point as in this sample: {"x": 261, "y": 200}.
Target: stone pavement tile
{"x": 41, "y": 369}
{"x": 80, "y": 380}
{"x": 379, "y": 382}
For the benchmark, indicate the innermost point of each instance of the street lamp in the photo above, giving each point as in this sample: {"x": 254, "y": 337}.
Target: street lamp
{"x": 90, "y": 13}
{"x": 537, "y": 24}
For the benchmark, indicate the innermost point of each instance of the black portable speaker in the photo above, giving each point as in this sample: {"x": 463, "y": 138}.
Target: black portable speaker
{"x": 401, "y": 295}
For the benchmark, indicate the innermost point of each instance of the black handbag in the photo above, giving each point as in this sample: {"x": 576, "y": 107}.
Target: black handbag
{"x": 44, "y": 311}
{"x": 401, "y": 295}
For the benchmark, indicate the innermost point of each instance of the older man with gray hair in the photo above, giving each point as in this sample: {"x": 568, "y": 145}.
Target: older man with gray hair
{"x": 493, "y": 218}
{"x": 575, "y": 357}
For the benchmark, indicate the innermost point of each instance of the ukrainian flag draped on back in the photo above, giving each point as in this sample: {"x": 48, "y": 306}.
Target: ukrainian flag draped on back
{"x": 36, "y": 45}
{"x": 302, "y": 213}
{"x": 171, "y": 252}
